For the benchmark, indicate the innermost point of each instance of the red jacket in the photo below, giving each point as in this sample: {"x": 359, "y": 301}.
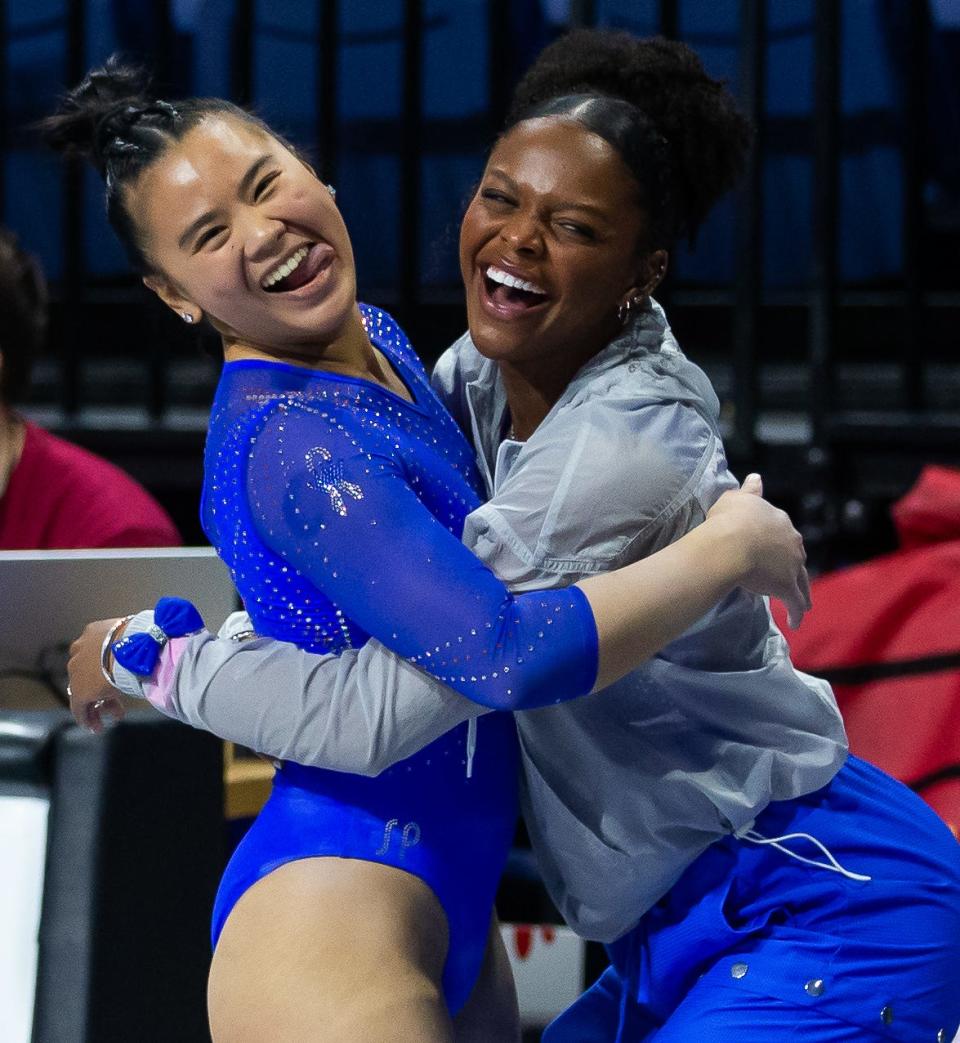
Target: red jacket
{"x": 62, "y": 497}
{"x": 887, "y": 634}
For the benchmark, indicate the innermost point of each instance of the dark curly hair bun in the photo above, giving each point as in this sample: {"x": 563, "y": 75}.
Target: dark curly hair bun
{"x": 100, "y": 110}
{"x": 707, "y": 136}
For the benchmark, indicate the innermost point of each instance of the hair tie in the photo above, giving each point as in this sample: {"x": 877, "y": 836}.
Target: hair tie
{"x": 115, "y": 126}
{"x": 120, "y": 117}
{"x": 173, "y": 617}
{"x": 164, "y": 108}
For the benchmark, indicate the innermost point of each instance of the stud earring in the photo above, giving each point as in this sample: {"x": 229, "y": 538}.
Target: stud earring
{"x": 186, "y": 316}
{"x": 331, "y": 190}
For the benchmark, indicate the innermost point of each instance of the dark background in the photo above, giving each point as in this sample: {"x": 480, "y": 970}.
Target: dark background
{"x": 822, "y": 298}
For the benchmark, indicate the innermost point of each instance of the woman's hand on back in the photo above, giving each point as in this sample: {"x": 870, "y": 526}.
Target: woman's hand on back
{"x": 774, "y": 556}
{"x": 92, "y": 699}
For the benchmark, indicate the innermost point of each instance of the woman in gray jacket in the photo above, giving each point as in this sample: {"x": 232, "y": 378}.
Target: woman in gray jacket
{"x": 700, "y": 816}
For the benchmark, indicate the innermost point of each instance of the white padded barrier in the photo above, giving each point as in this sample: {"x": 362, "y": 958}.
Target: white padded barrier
{"x": 23, "y": 844}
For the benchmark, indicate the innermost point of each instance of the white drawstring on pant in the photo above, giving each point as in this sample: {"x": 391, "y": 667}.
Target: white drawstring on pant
{"x": 471, "y": 744}
{"x": 833, "y": 865}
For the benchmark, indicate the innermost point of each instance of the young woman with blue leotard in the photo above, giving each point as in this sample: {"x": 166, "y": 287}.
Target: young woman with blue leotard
{"x": 336, "y": 487}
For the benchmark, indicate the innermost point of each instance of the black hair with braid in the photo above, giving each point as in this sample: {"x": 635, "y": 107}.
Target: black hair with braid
{"x": 111, "y": 119}
{"x": 678, "y": 130}
{"x": 23, "y": 316}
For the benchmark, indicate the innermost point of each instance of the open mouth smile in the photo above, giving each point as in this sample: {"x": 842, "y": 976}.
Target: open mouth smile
{"x": 509, "y": 296}
{"x": 300, "y": 269}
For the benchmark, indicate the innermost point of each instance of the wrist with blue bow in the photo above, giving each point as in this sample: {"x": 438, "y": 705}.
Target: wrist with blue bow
{"x": 136, "y": 654}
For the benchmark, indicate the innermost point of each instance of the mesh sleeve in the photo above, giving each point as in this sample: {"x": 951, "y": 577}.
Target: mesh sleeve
{"x": 345, "y": 516}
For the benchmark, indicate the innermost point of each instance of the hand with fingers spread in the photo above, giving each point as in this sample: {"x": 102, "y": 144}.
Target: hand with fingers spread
{"x": 775, "y": 559}
{"x": 92, "y": 698}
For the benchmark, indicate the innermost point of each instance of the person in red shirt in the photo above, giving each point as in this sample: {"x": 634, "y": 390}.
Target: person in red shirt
{"x": 55, "y": 495}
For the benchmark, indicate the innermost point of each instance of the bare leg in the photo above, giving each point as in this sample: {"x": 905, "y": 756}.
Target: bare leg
{"x": 331, "y": 949}
{"x": 491, "y": 1012}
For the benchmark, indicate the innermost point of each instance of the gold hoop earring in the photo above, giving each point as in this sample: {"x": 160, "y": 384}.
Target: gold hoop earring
{"x": 625, "y": 308}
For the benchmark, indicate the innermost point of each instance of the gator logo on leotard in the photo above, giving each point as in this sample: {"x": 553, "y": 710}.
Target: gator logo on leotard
{"x": 328, "y": 477}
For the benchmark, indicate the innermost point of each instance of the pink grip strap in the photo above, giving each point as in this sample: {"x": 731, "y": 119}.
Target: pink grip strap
{"x": 159, "y": 687}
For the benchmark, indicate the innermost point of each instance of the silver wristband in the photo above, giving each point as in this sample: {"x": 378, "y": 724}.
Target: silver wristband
{"x": 105, "y": 648}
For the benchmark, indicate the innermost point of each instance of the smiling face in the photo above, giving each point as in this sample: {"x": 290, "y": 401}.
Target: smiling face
{"x": 235, "y": 226}
{"x": 549, "y": 246}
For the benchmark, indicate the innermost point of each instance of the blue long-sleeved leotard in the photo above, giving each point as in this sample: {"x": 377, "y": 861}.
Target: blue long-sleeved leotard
{"x": 338, "y": 507}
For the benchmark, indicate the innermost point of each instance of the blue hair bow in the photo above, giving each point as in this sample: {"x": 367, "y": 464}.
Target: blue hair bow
{"x": 173, "y": 617}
